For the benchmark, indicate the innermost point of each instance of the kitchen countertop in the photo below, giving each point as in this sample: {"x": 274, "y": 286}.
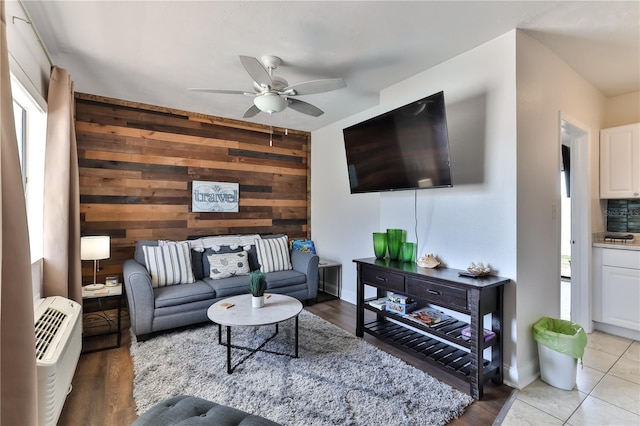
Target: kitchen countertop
{"x": 598, "y": 241}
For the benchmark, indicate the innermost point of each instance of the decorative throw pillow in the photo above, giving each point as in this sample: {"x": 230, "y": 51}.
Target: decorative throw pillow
{"x": 226, "y": 265}
{"x": 193, "y": 244}
{"x": 253, "y": 258}
{"x": 251, "y": 251}
{"x": 273, "y": 254}
{"x": 233, "y": 241}
{"x": 197, "y": 264}
{"x": 169, "y": 264}
{"x": 303, "y": 245}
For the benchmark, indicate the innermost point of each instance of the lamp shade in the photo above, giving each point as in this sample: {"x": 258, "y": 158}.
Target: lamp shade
{"x": 270, "y": 102}
{"x": 95, "y": 247}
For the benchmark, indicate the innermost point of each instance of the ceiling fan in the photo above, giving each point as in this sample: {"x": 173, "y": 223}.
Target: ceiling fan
{"x": 274, "y": 94}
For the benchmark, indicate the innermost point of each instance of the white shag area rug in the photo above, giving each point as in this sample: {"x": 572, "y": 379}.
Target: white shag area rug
{"x": 338, "y": 379}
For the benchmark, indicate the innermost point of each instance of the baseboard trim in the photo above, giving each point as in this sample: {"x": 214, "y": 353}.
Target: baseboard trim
{"x": 519, "y": 378}
{"x": 617, "y": 331}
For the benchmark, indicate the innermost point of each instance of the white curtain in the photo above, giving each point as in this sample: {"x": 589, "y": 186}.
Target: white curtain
{"x": 18, "y": 383}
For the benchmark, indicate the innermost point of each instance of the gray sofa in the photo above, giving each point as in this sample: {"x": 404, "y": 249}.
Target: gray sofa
{"x": 158, "y": 309}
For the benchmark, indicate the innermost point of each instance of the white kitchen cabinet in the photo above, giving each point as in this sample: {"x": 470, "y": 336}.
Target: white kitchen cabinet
{"x": 621, "y": 296}
{"x": 617, "y": 287}
{"x": 620, "y": 162}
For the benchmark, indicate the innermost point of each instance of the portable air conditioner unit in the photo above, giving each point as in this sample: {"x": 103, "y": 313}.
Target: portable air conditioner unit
{"x": 58, "y": 328}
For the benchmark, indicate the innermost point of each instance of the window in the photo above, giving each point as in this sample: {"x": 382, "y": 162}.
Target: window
{"x": 20, "y": 116}
{"x": 31, "y": 132}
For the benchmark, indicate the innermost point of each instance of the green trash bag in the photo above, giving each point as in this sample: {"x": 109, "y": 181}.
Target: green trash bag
{"x": 562, "y": 336}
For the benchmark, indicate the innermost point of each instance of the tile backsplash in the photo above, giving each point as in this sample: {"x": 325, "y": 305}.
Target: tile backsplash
{"x": 623, "y": 215}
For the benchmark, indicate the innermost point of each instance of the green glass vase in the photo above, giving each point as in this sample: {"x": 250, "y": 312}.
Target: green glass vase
{"x": 395, "y": 238}
{"x": 380, "y": 244}
{"x": 408, "y": 252}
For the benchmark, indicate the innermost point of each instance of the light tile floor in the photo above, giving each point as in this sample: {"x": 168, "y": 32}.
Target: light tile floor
{"x": 607, "y": 390}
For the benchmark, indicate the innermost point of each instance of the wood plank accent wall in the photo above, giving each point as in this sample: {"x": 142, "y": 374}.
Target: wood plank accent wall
{"x": 137, "y": 163}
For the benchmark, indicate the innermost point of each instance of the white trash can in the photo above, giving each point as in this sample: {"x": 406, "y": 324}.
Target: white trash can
{"x": 560, "y": 344}
{"x": 557, "y": 369}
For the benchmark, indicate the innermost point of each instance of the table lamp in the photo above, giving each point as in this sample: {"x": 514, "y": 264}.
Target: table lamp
{"x": 95, "y": 248}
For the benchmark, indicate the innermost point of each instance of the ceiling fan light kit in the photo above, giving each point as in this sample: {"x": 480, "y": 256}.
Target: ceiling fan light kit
{"x": 274, "y": 94}
{"x": 270, "y": 102}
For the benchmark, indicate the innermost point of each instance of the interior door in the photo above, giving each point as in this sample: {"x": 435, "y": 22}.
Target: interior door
{"x": 576, "y": 136}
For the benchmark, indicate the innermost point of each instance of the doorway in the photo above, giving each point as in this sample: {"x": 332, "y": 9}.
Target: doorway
{"x": 575, "y": 226}
{"x": 565, "y": 231}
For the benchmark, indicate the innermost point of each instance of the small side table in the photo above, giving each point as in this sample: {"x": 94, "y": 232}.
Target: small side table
{"x": 333, "y": 267}
{"x": 100, "y": 301}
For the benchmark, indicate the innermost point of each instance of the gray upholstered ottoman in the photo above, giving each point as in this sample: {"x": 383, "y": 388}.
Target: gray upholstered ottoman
{"x": 191, "y": 411}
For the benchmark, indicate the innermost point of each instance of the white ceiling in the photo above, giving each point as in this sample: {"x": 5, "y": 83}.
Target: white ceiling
{"x": 152, "y": 51}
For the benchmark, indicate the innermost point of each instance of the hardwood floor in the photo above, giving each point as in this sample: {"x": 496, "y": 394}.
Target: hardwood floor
{"x": 103, "y": 383}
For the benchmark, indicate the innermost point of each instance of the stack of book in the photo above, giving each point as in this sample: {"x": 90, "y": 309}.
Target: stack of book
{"x": 428, "y": 316}
{"x": 400, "y": 303}
{"x": 465, "y": 334}
{"x": 398, "y": 298}
{"x": 378, "y": 303}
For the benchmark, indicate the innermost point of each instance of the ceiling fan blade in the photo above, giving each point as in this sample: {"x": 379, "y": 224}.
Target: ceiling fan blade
{"x": 224, "y": 92}
{"x": 304, "y": 107}
{"x": 251, "y": 112}
{"x": 256, "y": 70}
{"x": 315, "y": 86}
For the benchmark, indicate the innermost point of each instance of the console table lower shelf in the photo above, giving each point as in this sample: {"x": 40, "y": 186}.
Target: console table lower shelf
{"x": 456, "y": 345}
{"x": 455, "y": 362}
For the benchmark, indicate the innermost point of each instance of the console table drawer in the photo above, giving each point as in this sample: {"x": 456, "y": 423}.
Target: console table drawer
{"x": 388, "y": 280}
{"x": 442, "y": 295}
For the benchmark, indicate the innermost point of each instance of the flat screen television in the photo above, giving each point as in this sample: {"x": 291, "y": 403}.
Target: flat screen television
{"x": 406, "y": 148}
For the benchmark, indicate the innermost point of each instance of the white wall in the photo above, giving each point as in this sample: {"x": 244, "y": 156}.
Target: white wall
{"x": 621, "y": 110}
{"x": 27, "y": 60}
{"x": 473, "y": 221}
{"x": 547, "y": 86}
{"x": 341, "y": 223}
{"x": 504, "y": 101}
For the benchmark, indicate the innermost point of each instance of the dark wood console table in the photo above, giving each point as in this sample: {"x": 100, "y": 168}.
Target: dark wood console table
{"x": 440, "y": 345}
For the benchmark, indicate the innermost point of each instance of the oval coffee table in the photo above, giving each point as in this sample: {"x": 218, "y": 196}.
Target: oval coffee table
{"x": 277, "y": 308}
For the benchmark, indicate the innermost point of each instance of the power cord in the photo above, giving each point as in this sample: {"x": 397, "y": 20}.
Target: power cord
{"x": 415, "y": 218}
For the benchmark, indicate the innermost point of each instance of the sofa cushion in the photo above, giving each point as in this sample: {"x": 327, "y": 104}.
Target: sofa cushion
{"x": 284, "y": 279}
{"x": 231, "y": 286}
{"x": 224, "y": 265}
{"x": 168, "y": 264}
{"x": 181, "y": 294}
{"x": 273, "y": 254}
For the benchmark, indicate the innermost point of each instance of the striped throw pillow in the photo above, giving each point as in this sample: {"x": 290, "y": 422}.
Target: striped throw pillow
{"x": 169, "y": 264}
{"x": 273, "y": 254}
